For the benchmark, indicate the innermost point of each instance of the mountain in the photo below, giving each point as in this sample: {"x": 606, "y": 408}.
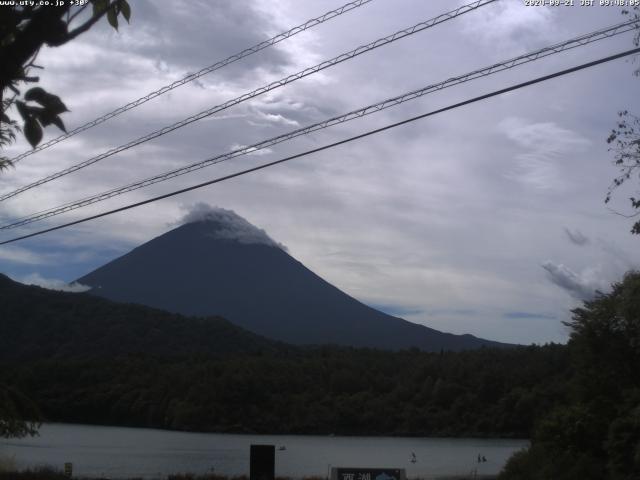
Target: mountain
{"x": 36, "y": 323}
{"x": 217, "y": 263}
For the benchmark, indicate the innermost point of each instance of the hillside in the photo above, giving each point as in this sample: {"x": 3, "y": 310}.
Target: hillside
{"x": 43, "y": 324}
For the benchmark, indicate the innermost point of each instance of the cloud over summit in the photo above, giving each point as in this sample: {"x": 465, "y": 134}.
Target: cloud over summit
{"x": 229, "y": 225}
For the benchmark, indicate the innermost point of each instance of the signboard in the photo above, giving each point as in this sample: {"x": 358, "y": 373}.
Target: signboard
{"x": 368, "y": 473}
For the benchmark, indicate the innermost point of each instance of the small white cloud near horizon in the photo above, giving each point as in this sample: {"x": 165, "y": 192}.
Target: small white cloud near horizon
{"x": 52, "y": 283}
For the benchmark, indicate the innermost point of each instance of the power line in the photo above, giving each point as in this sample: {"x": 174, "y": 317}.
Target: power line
{"x": 331, "y": 145}
{"x": 495, "y": 68}
{"x": 247, "y": 96}
{"x": 193, "y": 76}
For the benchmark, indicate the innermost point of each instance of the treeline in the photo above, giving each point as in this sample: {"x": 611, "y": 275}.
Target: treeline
{"x": 593, "y": 431}
{"x": 485, "y": 392}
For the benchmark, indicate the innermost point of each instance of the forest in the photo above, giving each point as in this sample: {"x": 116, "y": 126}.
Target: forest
{"x": 324, "y": 390}
{"x": 578, "y": 403}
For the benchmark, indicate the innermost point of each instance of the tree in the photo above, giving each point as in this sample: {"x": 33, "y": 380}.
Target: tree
{"x": 624, "y": 140}
{"x": 24, "y": 30}
{"x": 596, "y": 434}
{"x": 19, "y": 416}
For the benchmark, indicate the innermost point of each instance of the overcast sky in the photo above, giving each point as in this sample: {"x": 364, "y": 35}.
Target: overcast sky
{"x": 488, "y": 219}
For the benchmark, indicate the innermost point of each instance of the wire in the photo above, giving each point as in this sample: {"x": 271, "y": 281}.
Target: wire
{"x": 495, "y": 68}
{"x": 193, "y": 76}
{"x": 331, "y": 145}
{"x": 247, "y": 96}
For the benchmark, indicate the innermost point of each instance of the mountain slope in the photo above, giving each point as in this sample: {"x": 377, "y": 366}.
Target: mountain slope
{"x": 36, "y": 323}
{"x": 220, "y": 264}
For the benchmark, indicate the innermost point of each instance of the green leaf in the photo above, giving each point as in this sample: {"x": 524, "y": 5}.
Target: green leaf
{"x": 99, "y": 6}
{"x": 23, "y": 110}
{"x": 112, "y": 17}
{"x": 51, "y": 102}
{"x": 36, "y": 94}
{"x": 33, "y": 131}
{"x": 57, "y": 121}
{"x": 125, "y": 9}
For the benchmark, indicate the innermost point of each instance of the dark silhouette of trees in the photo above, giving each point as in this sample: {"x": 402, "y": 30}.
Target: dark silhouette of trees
{"x": 595, "y": 432}
{"x": 19, "y": 417}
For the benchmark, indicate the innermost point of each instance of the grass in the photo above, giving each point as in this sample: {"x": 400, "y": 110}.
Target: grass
{"x": 7, "y": 463}
{"x": 47, "y": 473}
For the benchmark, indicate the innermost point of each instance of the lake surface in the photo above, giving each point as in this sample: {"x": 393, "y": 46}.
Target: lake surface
{"x": 117, "y": 452}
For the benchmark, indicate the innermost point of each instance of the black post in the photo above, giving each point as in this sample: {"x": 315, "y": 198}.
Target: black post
{"x": 262, "y": 463}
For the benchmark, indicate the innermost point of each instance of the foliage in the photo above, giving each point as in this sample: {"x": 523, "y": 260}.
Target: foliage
{"x": 88, "y": 360}
{"x": 24, "y": 30}
{"x": 317, "y": 391}
{"x": 596, "y": 433}
{"x": 624, "y": 139}
{"x": 19, "y": 417}
{"x": 44, "y": 473}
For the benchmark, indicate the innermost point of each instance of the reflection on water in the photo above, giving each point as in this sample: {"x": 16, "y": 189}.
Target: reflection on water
{"x": 137, "y": 452}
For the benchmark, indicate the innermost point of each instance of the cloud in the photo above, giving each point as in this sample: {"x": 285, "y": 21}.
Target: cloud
{"x": 580, "y": 286}
{"x": 397, "y": 310}
{"x": 545, "y": 143}
{"x": 53, "y": 283}
{"x": 229, "y": 225}
{"x": 22, "y": 255}
{"x": 251, "y": 151}
{"x": 528, "y": 316}
{"x": 576, "y": 237}
{"x": 509, "y": 21}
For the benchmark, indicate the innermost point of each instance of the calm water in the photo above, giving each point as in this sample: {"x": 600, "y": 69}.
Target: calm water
{"x": 122, "y": 452}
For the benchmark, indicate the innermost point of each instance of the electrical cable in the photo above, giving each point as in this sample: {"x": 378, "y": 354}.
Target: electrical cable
{"x": 331, "y": 145}
{"x": 247, "y": 96}
{"x": 193, "y": 76}
{"x": 391, "y": 102}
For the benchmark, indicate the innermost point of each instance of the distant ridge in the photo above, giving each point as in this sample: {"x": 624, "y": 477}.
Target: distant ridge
{"x": 36, "y": 323}
{"x": 217, "y": 263}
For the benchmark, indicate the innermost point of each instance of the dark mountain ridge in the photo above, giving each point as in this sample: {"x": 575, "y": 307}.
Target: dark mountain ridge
{"x": 222, "y": 265}
{"x": 36, "y": 323}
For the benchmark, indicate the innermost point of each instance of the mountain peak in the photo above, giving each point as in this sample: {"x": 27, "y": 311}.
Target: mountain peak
{"x": 228, "y": 225}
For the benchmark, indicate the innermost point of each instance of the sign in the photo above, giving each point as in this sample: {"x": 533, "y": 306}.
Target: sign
{"x": 68, "y": 469}
{"x": 368, "y": 474}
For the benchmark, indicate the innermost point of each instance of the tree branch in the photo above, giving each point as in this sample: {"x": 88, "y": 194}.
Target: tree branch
{"x": 88, "y": 24}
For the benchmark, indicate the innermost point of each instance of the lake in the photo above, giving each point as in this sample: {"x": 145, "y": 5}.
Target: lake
{"x": 118, "y": 452}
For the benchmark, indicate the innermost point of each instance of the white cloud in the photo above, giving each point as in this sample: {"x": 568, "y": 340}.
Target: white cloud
{"x": 20, "y": 255}
{"x": 548, "y": 146}
{"x": 251, "y": 151}
{"x": 509, "y": 22}
{"x": 228, "y": 225}
{"x": 53, "y": 283}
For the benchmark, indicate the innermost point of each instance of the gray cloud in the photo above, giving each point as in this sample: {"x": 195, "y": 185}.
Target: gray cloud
{"x": 576, "y": 237}
{"x": 397, "y": 310}
{"x": 528, "y": 316}
{"x": 580, "y": 286}
{"x": 432, "y": 216}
